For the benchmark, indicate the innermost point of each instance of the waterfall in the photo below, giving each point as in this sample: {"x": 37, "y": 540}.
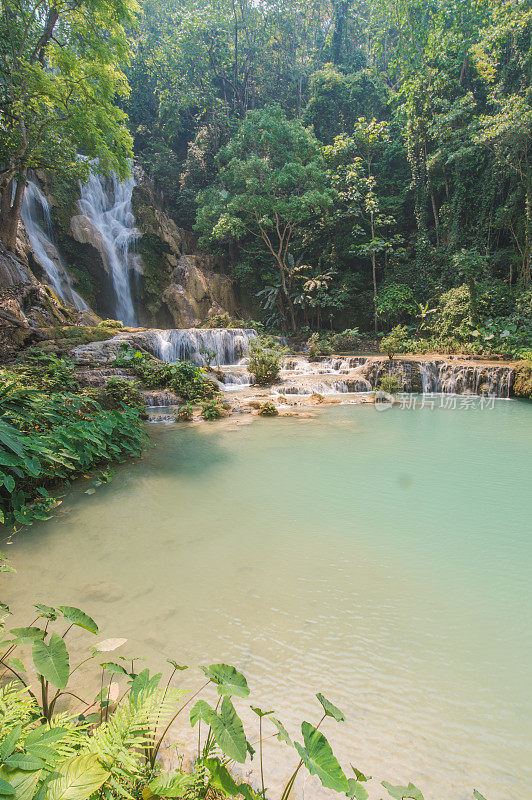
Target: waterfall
{"x": 106, "y": 201}
{"x": 226, "y": 345}
{"x": 35, "y": 215}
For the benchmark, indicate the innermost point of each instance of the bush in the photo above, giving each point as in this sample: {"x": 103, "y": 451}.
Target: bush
{"x": 118, "y": 392}
{"x": 110, "y": 323}
{"x": 268, "y": 409}
{"x": 523, "y": 380}
{"x": 395, "y": 303}
{"x": 346, "y": 340}
{"x": 46, "y": 372}
{"x": 184, "y": 413}
{"x": 265, "y": 359}
{"x": 394, "y": 341}
{"x": 389, "y": 384}
{"x": 318, "y": 345}
{"x": 184, "y": 378}
{"x": 46, "y": 438}
{"x": 225, "y": 320}
{"x": 453, "y": 315}
{"x": 212, "y": 409}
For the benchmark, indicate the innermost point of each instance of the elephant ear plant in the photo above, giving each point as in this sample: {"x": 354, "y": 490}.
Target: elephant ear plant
{"x": 108, "y": 747}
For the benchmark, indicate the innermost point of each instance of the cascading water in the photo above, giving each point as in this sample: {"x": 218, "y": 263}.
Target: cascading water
{"x": 224, "y": 346}
{"x": 106, "y": 201}
{"x": 35, "y": 215}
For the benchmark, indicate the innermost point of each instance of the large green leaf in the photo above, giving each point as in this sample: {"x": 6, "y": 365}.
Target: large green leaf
{"x": 79, "y": 778}
{"x": 409, "y": 792}
{"x": 221, "y": 779}
{"x": 24, "y": 783}
{"x": 172, "y": 784}
{"x": 10, "y": 742}
{"x": 201, "y": 710}
{"x": 320, "y": 760}
{"x": 229, "y": 733}
{"x": 228, "y": 680}
{"x": 282, "y": 734}
{"x": 51, "y": 661}
{"x": 30, "y": 634}
{"x": 356, "y": 790}
{"x": 6, "y": 788}
{"x": 330, "y": 709}
{"x": 24, "y": 761}
{"x": 79, "y": 618}
{"x": 45, "y": 735}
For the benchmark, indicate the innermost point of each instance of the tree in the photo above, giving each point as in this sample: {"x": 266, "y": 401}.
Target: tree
{"x": 353, "y": 159}
{"x": 271, "y": 185}
{"x": 59, "y": 83}
{"x": 504, "y": 59}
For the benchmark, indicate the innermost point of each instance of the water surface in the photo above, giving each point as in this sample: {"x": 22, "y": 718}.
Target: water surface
{"x": 381, "y": 558}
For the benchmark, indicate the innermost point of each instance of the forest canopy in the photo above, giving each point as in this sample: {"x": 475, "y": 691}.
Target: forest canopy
{"x": 356, "y": 162}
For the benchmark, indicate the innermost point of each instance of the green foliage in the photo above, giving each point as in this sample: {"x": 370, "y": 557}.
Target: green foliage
{"x": 265, "y": 359}
{"x": 110, "y": 323}
{"x": 348, "y": 339}
{"x": 187, "y": 380}
{"x": 271, "y": 185}
{"x": 319, "y": 345}
{"x": 523, "y": 380}
{"x": 184, "y": 413}
{"x": 225, "y": 320}
{"x": 60, "y": 79}
{"x": 51, "y": 437}
{"x": 394, "y": 342}
{"x": 118, "y": 392}
{"x": 390, "y": 384}
{"x": 268, "y": 409}
{"x": 46, "y": 372}
{"x": 108, "y": 746}
{"x": 395, "y": 303}
{"x": 212, "y": 409}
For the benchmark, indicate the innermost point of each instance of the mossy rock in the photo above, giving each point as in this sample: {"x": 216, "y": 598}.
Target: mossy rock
{"x": 523, "y": 380}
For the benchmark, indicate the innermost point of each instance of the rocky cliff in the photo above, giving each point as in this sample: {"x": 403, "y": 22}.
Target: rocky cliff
{"x": 172, "y": 283}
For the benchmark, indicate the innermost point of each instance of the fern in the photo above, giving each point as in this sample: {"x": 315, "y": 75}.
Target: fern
{"x": 120, "y": 742}
{"x": 16, "y": 708}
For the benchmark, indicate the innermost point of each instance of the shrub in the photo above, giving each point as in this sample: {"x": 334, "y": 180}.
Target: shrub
{"x": 184, "y": 378}
{"x": 389, "y": 384}
{"x": 265, "y": 359}
{"x": 394, "y": 341}
{"x": 110, "y": 323}
{"x": 453, "y": 315}
{"x": 212, "y": 409}
{"x": 46, "y": 438}
{"x": 184, "y": 413}
{"x": 346, "y": 340}
{"x": 523, "y": 380}
{"x": 318, "y": 345}
{"x": 268, "y": 409}
{"x": 225, "y": 320}
{"x": 118, "y": 391}
{"x": 46, "y": 372}
{"x": 395, "y": 303}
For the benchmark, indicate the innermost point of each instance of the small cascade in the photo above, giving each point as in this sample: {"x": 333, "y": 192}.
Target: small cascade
{"x": 106, "y": 201}
{"x": 235, "y": 380}
{"x": 220, "y": 346}
{"x": 35, "y": 215}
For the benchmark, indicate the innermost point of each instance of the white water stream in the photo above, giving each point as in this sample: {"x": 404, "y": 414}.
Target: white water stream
{"x": 35, "y": 215}
{"x": 106, "y": 201}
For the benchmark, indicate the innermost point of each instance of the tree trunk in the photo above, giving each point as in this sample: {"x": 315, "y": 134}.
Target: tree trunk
{"x": 10, "y": 216}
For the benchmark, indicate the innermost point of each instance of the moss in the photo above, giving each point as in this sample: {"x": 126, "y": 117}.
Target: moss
{"x": 157, "y": 271}
{"x": 523, "y": 380}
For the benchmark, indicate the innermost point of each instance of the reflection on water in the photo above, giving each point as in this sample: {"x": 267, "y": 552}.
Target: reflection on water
{"x": 383, "y": 559}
